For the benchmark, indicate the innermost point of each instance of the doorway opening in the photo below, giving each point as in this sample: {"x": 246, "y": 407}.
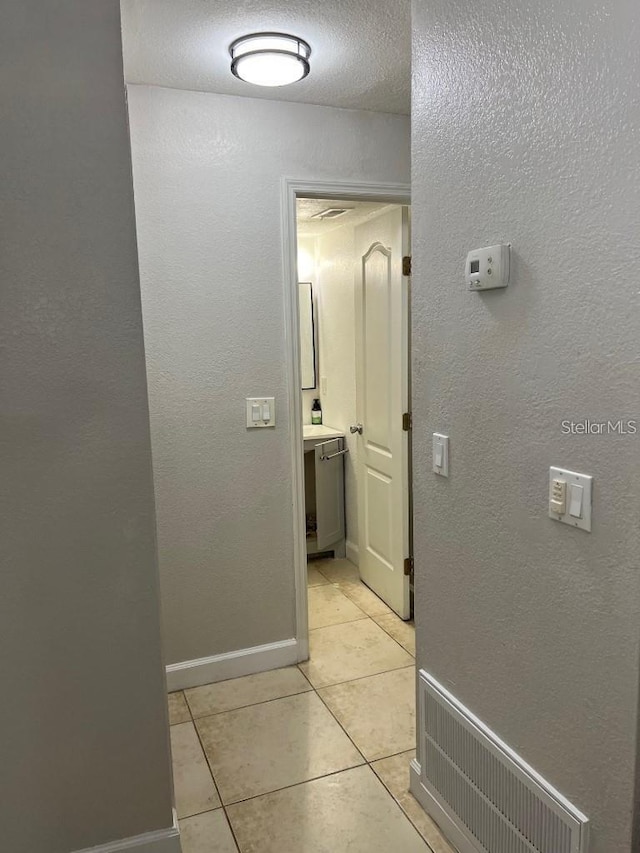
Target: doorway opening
{"x": 345, "y": 261}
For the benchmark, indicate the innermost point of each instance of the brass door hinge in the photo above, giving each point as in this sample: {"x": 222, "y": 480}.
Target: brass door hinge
{"x": 406, "y": 265}
{"x": 408, "y": 566}
{"x": 407, "y": 421}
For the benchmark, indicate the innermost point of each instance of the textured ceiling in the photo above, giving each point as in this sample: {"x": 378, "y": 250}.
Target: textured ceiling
{"x": 357, "y": 212}
{"x": 361, "y": 49}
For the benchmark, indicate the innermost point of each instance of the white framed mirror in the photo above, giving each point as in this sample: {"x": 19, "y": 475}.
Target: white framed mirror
{"x": 308, "y": 367}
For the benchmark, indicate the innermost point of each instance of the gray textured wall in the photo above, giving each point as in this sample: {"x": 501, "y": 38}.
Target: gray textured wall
{"x": 83, "y": 719}
{"x": 526, "y": 125}
{"x": 207, "y": 176}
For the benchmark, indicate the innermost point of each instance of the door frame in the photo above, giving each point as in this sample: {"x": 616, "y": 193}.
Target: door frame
{"x": 291, "y": 190}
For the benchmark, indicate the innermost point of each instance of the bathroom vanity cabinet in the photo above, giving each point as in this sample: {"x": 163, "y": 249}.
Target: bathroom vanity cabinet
{"x": 324, "y": 453}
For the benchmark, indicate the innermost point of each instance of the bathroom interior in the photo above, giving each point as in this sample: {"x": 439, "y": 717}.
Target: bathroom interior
{"x": 329, "y": 232}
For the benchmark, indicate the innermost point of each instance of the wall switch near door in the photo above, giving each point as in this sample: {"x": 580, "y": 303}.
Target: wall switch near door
{"x": 441, "y": 454}
{"x": 570, "y": 498}
{"x": 261, "y": 412}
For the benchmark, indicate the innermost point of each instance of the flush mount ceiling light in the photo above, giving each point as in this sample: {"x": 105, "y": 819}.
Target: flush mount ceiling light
{"x": 270, "y": 59}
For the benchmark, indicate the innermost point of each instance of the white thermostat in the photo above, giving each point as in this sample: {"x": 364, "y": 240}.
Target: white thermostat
{"x": 488, "y": 268}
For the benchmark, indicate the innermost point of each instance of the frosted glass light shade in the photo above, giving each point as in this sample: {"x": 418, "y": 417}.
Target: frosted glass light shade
{"x": 270, "y": 59}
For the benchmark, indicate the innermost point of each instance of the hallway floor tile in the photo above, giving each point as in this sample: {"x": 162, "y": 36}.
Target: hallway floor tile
{"x": 329, "y": 606}
{"x": 352, "y": 650}
{"x": 207, "y": 833}
{"x": 336, "y": 571}
{"x": 293, "y": 769}
{"x": 394, "y": 774}
{"x": 178, "y": 709}
{"x": 402, "y": 632}
{"x": 326, "y": 816}
{"x": 314, "y": 578}
{"x": 378, "y": 713}
{"x": 239, "y": 692}
{"x": 194, "y": 788}
{"x": 259, "y": 749}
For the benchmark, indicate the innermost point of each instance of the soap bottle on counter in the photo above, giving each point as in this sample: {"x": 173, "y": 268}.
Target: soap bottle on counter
{"x": 316, "y": 412}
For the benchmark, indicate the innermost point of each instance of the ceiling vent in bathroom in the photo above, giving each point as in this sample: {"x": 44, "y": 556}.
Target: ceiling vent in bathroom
{"x": 331, "y": 213}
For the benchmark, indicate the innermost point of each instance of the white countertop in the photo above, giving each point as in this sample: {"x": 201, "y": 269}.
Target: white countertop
{"x": 320, "y": 431}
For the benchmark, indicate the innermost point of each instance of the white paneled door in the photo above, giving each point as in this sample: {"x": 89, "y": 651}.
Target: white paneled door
{"x": 382, "y": 386}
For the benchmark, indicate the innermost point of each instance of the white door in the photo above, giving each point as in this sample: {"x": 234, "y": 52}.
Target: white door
{"x": 382, "y": 391}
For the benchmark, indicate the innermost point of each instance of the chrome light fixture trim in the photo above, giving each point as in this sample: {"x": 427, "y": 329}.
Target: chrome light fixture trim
{"x": 270, "y": 45}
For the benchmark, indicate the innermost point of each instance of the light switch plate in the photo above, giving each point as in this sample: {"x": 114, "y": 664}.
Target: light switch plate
{"x": 574, "y": 482}
{"x": 257, "y": 408}
{"x": 441, "y": 454}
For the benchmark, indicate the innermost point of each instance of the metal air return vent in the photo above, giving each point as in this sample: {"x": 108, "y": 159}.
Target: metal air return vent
{"x": 483, "y": 794}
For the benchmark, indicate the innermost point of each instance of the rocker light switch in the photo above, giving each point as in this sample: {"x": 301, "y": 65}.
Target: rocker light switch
{"x": 575, "y": 501}
{"x": 261, "y": 412}
{"x": 441, "y": 454}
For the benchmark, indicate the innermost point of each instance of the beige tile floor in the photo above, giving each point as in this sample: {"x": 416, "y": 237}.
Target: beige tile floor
{"x": 314, "y": 758}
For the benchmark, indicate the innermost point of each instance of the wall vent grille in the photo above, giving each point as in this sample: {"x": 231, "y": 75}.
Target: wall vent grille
{"x": 502, "y": 803}
{"x": 331, "y": 213}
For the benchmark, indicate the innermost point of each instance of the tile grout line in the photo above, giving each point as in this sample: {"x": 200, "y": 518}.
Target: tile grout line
{"x": 397, "y": 802}
{"x": 356, "y": 581}
{"x": 360, "y": 677}
{"x": 402, "y": 811}
{"x": 373, "y": 616}
{"x": 394, "y": 638}
{"x": 215, "y": 784}
{"x": 233, "y": 832}
{"x": 206, "y": 758}
{"x": 346, "y": 622}
{"x": 344, "y": 595}
{"x": 355, "y": 745}
{"x": 295, "y": 785}
{"x": 192, "y": 720}
{"x": 368, "y": 762}
{"x": 349, "y": 621}
{"x": 253, "y": 704}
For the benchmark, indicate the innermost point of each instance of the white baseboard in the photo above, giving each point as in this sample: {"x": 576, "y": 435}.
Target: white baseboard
{"x": 353, "y": 553}
{"x": 449, "y": 829}
{"x": 194, "y": 673}
{"x": 159, "y": 841}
